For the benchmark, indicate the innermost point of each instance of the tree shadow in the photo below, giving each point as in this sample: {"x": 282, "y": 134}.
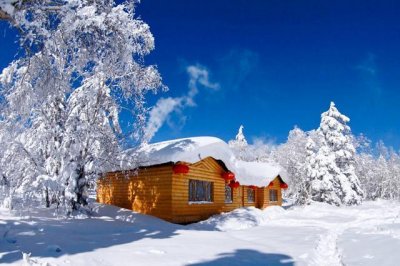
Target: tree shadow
{"x": 46, "y": 236}
{"x": 43, "y": 235}
{"x": 248, "y": 257}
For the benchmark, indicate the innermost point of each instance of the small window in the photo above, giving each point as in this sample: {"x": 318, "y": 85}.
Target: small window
{"x": 228, "y": 194}
{"x": 250, "y": 195}
{"x": 200, "y": 191}
{"x": 273, "y": 195}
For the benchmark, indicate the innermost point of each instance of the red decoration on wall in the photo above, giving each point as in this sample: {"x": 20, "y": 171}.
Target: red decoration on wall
{"x": 271, "y": 184}
{"x": 228, "y": 176}
{"x": 253, "y": 187}
{"x": 180, "y": 169}
{"x": 234, "y": 184}
{"x": 284, "y": 186}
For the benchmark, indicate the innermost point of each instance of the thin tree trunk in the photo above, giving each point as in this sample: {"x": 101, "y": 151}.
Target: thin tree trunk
{"x": 46, "y": 195}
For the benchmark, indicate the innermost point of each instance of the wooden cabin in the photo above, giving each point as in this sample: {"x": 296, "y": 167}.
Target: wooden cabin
{"x": 184, "y": 192}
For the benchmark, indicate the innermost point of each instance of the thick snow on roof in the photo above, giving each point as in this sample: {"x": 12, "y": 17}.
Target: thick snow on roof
{"x": 194, "y": 149}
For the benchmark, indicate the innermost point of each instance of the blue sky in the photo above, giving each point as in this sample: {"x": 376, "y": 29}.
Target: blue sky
{"x": 275, "y": 64}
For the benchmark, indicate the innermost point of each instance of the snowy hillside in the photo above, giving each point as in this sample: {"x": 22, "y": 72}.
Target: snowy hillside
{"x": 319, "y": 234}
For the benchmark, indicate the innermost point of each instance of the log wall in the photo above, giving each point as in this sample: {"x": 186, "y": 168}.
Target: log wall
{"x": 147, "y": 191}
{"x": 159, "y": 192}
{"x": 205, "y": 170}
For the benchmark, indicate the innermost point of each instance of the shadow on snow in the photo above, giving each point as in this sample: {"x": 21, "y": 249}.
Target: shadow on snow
{"x": 248, "y": 257}
{"x": 51, "y": 237}
{"x": 43, "y": 236}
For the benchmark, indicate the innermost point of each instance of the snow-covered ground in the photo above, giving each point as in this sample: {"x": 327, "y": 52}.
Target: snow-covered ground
{"x": 313, "y": 235}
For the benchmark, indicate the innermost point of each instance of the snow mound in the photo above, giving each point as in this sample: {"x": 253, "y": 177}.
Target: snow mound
{"x": 191, "y": 150}
{"x": 240, "y": 219}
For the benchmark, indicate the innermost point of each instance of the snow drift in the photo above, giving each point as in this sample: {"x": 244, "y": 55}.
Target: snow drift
{"x": 240, "y": 219}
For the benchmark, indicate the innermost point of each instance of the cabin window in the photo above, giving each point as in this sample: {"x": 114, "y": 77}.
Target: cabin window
{"x": 228, "y": 194}
{"x": 273, "y": 195}
{"x": 250, "y": 195}
{"x": 200, "y": 191}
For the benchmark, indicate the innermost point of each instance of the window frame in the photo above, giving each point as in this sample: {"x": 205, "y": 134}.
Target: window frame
{"x": 253, "y": 193}
{"x": 273, "y": 195}
{"x": 200, "y": 191}
{"x": 227, "y": 187}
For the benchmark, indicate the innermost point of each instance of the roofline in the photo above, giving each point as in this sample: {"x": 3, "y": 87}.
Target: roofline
{"x": 280, "y": 179}
{"x": 170, "y": 163}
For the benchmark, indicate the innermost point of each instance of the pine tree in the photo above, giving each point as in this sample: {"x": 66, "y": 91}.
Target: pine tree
{"x": 330, "y": 166}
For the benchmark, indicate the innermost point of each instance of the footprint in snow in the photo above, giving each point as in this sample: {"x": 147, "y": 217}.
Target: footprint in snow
{"x": 11, "y": 240}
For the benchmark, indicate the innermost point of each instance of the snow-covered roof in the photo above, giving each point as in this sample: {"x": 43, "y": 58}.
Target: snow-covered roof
{"x": 194, "y": 149}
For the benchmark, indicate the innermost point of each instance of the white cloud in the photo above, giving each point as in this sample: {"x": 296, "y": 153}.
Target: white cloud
{"x": 159, "y": 114}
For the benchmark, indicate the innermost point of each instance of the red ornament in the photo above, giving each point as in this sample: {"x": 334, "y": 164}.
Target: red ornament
{"x": 228, "y": 176}
{"x": 271, "y": 184}
{"x": 234, "y": 184}
{"x": 180, "y": 169}
{"x": 252, "y": 187}
{"x": 284, "y": 186}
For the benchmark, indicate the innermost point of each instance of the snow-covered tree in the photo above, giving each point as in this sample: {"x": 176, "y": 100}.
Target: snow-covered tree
{"x": 259, "y": 151}
{"x": 392, "y": 183}
{"x": 379, "y": 171}
{"x": 83, "y": 61}
{"x": 239, "y": 145}
{"x": 330, "y": 163}
{"x": 291, "y": 156}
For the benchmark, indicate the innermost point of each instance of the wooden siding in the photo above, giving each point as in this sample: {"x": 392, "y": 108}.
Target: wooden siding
{"x": 157, "y": 191}
{"x": 264, "y": 201}
{"x": 205, "y": 170}
{"x": 147, "y": 191}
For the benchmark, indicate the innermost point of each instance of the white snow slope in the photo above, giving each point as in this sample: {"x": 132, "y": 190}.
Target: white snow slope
{"x": 194, "y": 149}
{"x": 313, "y": 235}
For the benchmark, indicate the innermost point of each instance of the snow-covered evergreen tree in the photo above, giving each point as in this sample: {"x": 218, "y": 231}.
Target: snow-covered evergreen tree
{"x": 330, "y": 167}
{"x": 258, "y": 151}
{"x": 239, "y": 145}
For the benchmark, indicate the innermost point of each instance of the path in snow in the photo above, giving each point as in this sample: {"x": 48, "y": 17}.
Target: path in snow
{"x": 342, "y": 226}
{"x": 327, "y": 252}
